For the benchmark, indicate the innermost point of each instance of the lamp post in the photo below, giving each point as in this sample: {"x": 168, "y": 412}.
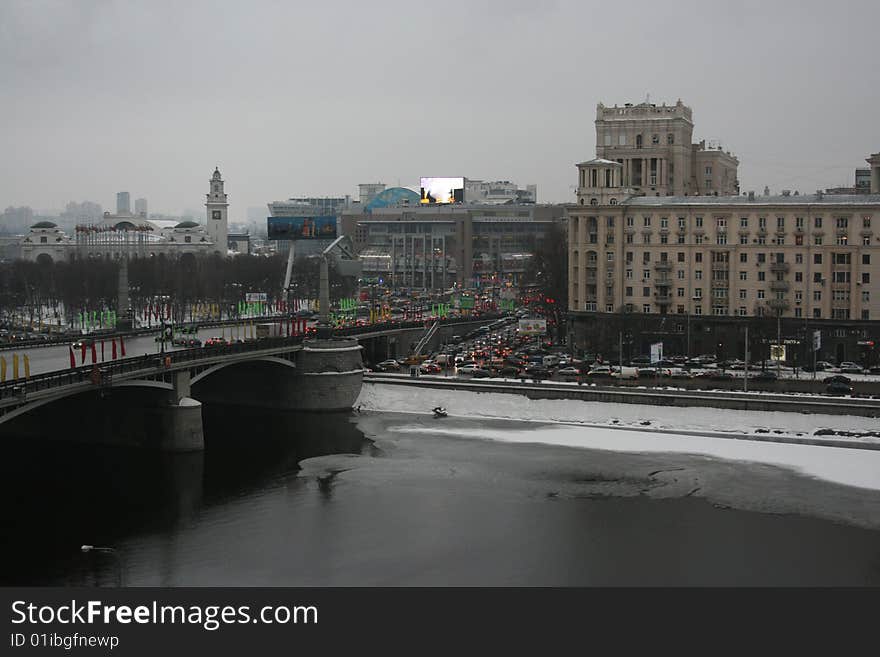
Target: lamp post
{"x": 120, "y": 573}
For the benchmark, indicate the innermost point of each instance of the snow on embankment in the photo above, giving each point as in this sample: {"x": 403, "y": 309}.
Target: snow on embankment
{"x": 633, "y": 428}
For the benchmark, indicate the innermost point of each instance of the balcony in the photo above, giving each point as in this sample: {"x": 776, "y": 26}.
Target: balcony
{"x": 779, "y": 286}
{"x": 780, "y": 267}
{"x": 663, "y": 299}
{"x": 663, "y": 265}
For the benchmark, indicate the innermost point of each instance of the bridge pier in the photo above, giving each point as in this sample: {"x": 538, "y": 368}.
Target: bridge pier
{"x": 180, "y": 428}
{"x": 329, "y": 375}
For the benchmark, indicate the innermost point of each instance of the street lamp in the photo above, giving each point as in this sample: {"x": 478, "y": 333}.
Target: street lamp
{"x": 120, "y": 573}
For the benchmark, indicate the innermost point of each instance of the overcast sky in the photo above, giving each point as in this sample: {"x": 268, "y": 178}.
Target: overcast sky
{"x": 311, "y": 98}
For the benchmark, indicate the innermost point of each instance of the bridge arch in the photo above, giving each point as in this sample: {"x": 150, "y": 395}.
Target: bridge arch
{"x": 220, "y": 366}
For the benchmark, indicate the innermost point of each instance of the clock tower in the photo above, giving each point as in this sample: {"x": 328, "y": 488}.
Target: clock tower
{"x": 217, "y": 226}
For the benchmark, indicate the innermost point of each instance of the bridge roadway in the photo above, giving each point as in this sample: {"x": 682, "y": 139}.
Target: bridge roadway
{"x": 754, "y": 401}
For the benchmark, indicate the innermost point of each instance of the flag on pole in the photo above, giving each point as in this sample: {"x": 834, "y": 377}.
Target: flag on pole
{"x": 14, "y": 366}
{"x": 72, "y": 357}
{"x": 113, "y": 349}
{"x": 94, "y": 354}
{"x": 121, "y": 346}
{"x": 102, "y": 351}
{"x": 27, "y": 367}
{"x": 83, "y": 354}
{"x": 2, "y": 368}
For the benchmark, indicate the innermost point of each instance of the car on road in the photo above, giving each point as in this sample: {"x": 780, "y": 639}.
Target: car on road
{"x": 600, "y": 371}
{"x": 180, "y": 341}
{"x": 569, "y": 372}
{"x": 216, "y": 342}
{"x": 389, "y": 365}
{"x": 837, "y": 378}
{"x": 851, "y": 368}
{"x": 838, "y": 388}
{"x": 764, "y": 376}
{"x": 429, "y": 368}
{"x": 83, "y": 342}
{"x": 473, "y": 370}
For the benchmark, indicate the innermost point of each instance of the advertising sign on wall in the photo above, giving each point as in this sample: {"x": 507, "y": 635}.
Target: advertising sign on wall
{"x": 255, "y": 297}
{"x": 301, "y": 228}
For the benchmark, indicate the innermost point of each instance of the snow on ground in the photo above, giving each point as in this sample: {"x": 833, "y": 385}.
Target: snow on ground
{"x": 855, "y": 467}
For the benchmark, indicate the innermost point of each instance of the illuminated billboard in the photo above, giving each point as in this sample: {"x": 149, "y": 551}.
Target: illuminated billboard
{"x": 301, "y": 228}
{"x": 442, "y": 190}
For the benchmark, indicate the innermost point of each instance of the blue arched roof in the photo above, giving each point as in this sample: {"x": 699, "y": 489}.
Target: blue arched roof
{"x": 393, "y": 196}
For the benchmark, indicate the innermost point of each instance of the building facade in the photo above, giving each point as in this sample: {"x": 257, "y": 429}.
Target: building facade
{"x": 434, "y": 247}
{"x": 654, "y": 146}
{"x": 498, "y": 192}
{"x": 123, "y": 203}
{"x": 667, "y": 260}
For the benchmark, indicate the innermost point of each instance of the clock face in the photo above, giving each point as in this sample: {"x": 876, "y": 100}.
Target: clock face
{"x": 215, "y": 214}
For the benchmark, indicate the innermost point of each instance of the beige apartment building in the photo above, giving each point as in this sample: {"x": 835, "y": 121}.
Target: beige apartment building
{"x": 653, "y": 145}
{"x": 804, "y": 259}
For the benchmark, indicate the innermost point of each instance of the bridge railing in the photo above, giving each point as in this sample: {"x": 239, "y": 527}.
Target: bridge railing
{"x": 21, "y": 387}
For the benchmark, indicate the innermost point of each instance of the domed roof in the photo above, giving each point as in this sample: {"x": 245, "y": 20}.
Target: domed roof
{"x": 44, "y": 224}
{"x": 393, "y": 196}
{"x": 187, "y": 224}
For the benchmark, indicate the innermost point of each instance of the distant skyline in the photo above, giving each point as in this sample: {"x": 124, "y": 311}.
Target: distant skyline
{"x": 290, "y": 99}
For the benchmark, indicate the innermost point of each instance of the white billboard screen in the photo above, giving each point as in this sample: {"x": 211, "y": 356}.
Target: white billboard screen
{"x": 532, "y": 326}
{"x": 442, "y": 190}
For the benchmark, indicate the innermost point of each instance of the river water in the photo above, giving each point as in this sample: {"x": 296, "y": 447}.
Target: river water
{"x": 314, "y": 500}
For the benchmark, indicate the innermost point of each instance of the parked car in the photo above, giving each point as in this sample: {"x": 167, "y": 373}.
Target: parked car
{"x": 837, "y": 378}
{"x": 215, "y": 342}
{"x": 838, "y": 388}
{"x": 390, "y": 365}
{"x": 765, "y": 376}
{"x": 851, "y": 368}
{"x": 429, "y": 368}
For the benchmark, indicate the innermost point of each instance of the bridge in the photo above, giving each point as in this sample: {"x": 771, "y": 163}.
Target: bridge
{"x": 155, "y": 401}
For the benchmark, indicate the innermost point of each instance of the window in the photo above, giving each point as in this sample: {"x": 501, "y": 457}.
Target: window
{"x": 743, "y": 239}
{"x": 779, "y": 241}
{"x": 762, "y": 258}
{"x": 721, "y": 239}
{"x": 646, "y": 238}
{"x": 629, "y": 291}
{"x": 817, "y": 258}
{"x": 609, "y": 256}
{"x": 798, "y": 258}
{"x": 629, "y": 273}
{"x": 799, "y": 240}
{"x": 866, "y": 259}
{"x": 187, "y": 238}
{"x": 780, "y": 223}
{"x": 841, "y": 240}
{"x": 743, "y": 222}
{"x": 866, "y": 222}
{"x": 664, "y": 222}
{"x": 866, "y": 240}
{"x": 608, "y": 139}
{"x": 630, "y": 221}
{"x": 681, "y": 274}
{"x": 708, "y": 171}
{"x": 680, "y": 291}
{"x": 762, "y": 223}
{"x": 760, "y": 294}
{"x": 743, "y": 276}
{"x": 646, "y": 291}
{"x": 761, "y": 276}
{"x": 799, "y": 277}
{"x": 681, "y": 223}
{"x": 698, "y": 310}
{"x": 647, "y": 221}
{"x": 698, "y": 292}
{"x": 817, "y": 295}
{"x": 866, "y": 296}
{"x": 743, "y": 257}
{"x": 842, "y": 222}
{"x": 762, "y": 239}
{"x": 817, "y": 222}
{"x": 866, "y": 314}
{"x": 680, "y": 256}
{"x": 698, "y": 257}
{"x": 629, "y": 256}
{"x": 646, "y": 274}
{"x": 670, "y": 138}
{"x": 817, "y": 240}
{"x": 44, "y": 239}
{"x": 698, "y": 274}
{"x": 698, "y": 239}
{"x": 621, "y": 140}
{"x": 840, "y": 258}
{"x": 742, "y": 294}
{"x": 664, "y": 239}
{"x": 698, "y": 222}
{"x": 817, "y": 313}
{"x": 721, "y": 223}
{"x": 609, "y": 308}
{"x": 866, "y": 278}
{"x": 646, "y": 308}
{"x": 638, "y": 141}
{"x": 798, "y": 222}
{"x": 609, "y": 223}
{"x": 798, "y": 312}
{"x": 817, "y": 277}
{"x": 798, "y": 296}
{"x": 630, "y": 239}
{"x": 680, "y": 239}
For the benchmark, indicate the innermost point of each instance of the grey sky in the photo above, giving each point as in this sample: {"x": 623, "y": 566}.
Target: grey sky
{"x": 293, "y": 98}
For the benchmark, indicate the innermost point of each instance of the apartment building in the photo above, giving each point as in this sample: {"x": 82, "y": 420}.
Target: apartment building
{"x": 811, "y": 259}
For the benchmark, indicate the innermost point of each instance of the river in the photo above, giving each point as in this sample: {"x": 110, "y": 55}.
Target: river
{"x": 327, "y": 500}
